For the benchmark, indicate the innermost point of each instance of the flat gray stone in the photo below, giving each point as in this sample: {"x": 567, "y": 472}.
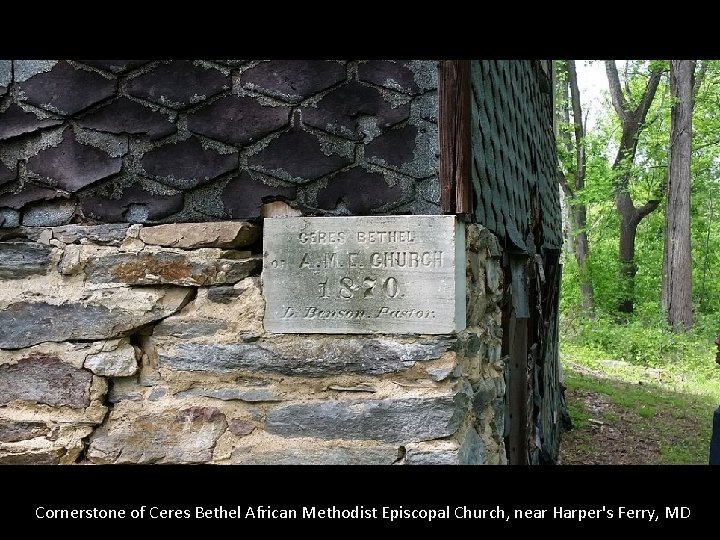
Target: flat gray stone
{"x": 183, "y": 327}
{"x": 310, "y": 357}
{"x": 24, "y": 69}
{"x": 124, "y": 389}
{"x": 9, "y": 218}
{"x": 364, "y": 274}
{"x": 21, "y": 431}
{"x": 440, "y": 373}
{"x": 492, "y": 275}
{"x": 157, "y": 393}
{"x": 219, "y": 234}
{"x": 49, "y": 214}
{"x": 485, "y": 393}
{"x": 431, "y": 456}
{"x": 5, "y": 73}
{"x": 223, "y": 294}
{"x": 45, "y": 379}
{"x": 500, "y": 411}
{"x": 471, "y": 451}
{"x": 381, "y": 455}
{"x": 399, "y": 420}
{"x": 229, "y": 394}
{"x": 240, "y": 427}
{"x": 21, "y": 259}
{"x": 23, "y": 324}
{"x": 187, "y": 436}
{"x": 42, "y": 457}
{"x": 120, "y": 361}
{"x": 111, "y": 234}
{"x": 176, "y": 267}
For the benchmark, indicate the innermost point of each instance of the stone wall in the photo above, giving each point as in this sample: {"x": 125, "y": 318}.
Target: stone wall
{"x": 145, "y": 344}
{"x": 141, "y": 141}
{"x": 131, "y": 305}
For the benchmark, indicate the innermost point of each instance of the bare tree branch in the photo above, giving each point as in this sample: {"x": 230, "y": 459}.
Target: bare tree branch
{"x": 659, "y": 111}
{"x": 646, "y": 208}
{"x": 566, "y": 187}
{"x": 580, "y": 161}
{"x": 616, "y": 93}
{"x": 648, "y": 95}
{"x": 626, "y": 80}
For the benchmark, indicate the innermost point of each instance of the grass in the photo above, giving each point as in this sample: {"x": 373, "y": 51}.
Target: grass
{"x": 638, "y": 393}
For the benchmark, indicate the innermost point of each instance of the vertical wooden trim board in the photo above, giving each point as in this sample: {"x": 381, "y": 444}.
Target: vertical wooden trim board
{"x": 454, "y": 136}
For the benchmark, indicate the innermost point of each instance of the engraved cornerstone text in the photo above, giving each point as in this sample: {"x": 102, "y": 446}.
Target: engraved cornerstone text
{"x": 363, "y": 274}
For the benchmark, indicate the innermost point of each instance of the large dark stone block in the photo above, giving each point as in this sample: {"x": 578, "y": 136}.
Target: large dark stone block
{"x": 361, "y": 191}
{"x": 342, "y": 109}
{"x": 395, "y": 147}
{"x": 390, "y": 74}
{"x": 45, "y": 379}
{"x": 238, "y": 120}
{"x": 115, "y": 66}
{"x": 311, "y": 358}
{"x": 15, "y": 121}
{"x": 73, "y": 166}
{"x": 29, "y": 193}
{"x": 186, "y": 164}
{"x": 399, "y": 420}
{"x": 178, "y": 84}
{"x": 293, "y": 80}
{"x": 67, "y": 90}
{"x": 243, "y": 196}
{"x": 113, "y": 210}
{"x": 22, "y": 259}
{"x": 127, "y": 116}
{"x": 7, "y": 174}
{"x": 298, "y": 154}
{"x": 24, "y": 324}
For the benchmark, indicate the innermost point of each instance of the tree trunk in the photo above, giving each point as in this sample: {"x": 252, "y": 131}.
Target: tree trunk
{"x": 579, "y": 210}
{"x": 677, "y": 264}
{"x": 631, "y": 120}
{"x": 628, "y": 268}
{"x": 562, "y": 116}
{"x": 582, "y": 250}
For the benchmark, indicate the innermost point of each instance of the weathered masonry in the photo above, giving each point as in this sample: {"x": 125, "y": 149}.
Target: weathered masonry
{"x": 275, "y": 262}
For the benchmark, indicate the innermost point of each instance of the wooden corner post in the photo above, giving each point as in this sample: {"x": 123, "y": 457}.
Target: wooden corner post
{"x": 454, "y": 136}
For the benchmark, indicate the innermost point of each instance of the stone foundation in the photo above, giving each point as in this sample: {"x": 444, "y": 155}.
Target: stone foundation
{"x": 137, "y": 344}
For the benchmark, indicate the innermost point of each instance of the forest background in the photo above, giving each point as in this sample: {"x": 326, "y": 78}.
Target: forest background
{"x": 639, "y": 149}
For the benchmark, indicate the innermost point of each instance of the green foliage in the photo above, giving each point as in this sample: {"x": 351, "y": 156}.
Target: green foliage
{"x": 579, "y": 414}
{"x": 648, "y": 175}
{"x": 674, "y": 377}
{"x": 643, "y": 347}
{"x": 679, "y": 432}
